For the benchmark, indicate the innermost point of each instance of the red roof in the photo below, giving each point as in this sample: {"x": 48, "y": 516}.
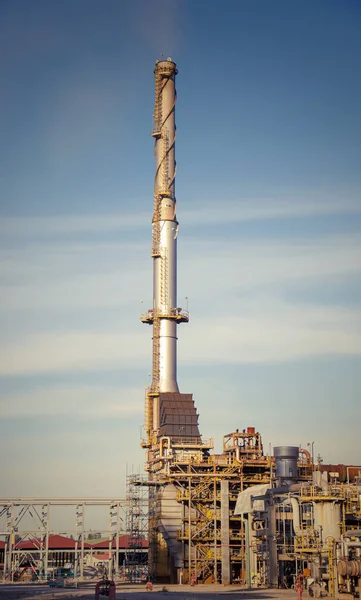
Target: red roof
{"x": 56, "y": 542}
{"x": 103, "y": 556}
{"x": 124, "y": 542}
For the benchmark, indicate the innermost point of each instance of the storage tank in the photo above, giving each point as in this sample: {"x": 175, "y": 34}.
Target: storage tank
{"x": 286, "y": 463}
{"x": 328, "y": 519}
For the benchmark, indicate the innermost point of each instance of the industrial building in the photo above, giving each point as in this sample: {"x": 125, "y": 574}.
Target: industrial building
{"x": 238, "y": 516}
{"x": 241, "y": 516}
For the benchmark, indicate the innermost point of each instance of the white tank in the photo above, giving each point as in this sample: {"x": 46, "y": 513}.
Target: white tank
{"x": 327, "y": 515}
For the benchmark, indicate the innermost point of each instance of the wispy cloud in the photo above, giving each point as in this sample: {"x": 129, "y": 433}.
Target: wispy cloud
{"x": 89, "y": 402}
{"x": 242, "y": 289}
{"x": 238, "y": 210}
{"x": 231, "y": 268}
{"x": 74, "y": 351}
{"x": 274, "y": 333}
{"x": 55, "y": 277}
{"x": 251, "y": 209}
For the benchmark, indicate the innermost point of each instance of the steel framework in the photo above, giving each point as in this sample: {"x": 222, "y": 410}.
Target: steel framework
{"x": 137, "y": 526}
{"x": 25, "y": 519}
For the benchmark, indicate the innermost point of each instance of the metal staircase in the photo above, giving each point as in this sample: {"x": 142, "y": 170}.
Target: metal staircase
{"x": 204, "y": 567}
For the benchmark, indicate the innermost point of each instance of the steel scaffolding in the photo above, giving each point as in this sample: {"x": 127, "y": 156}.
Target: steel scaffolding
{"x": 137, "y": 527}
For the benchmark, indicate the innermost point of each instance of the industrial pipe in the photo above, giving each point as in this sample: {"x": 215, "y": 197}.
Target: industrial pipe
{"x": 296, "y": 513}
{"x": 279, "y": 491}
{"x": 352, "y": 533}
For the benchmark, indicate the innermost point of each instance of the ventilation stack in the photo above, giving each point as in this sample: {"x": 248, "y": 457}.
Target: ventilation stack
{"x": 171, "y": 420}
{"x": 168, "y": 413}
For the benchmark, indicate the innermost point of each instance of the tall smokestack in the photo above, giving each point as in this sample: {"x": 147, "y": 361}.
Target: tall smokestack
{"x": 165, "y": 315}
{"x": 163, "y": 399}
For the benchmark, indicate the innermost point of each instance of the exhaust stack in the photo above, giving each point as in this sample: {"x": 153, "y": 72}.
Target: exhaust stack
{"x": 167, "y": 412}
{"x": 165, "y": 315}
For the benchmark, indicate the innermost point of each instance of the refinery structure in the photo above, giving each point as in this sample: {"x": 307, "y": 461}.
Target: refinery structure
{"x": 238, "y": 517}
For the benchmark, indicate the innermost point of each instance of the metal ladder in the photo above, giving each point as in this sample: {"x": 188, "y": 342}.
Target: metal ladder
{"x": 157, "y": 106}
{"x": 148, "y": 414}
{"x": 164, "y": 289}
{"x": 156, "y": 226}
{"x": 156, "y": 353}
{"x": 164, "y": 162}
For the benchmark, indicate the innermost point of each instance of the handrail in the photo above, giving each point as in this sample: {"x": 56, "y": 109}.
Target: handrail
{"x": 167, "y": 312}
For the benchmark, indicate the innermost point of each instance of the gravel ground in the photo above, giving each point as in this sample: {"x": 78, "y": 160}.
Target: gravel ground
{"x": 175, "y": 592}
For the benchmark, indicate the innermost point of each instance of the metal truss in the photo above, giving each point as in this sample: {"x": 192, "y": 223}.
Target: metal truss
{"x": 137, "y": 527}
{"x": 24, "y": 519}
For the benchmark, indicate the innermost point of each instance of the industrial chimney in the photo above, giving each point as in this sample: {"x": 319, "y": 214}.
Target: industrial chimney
{"x": 167, "y": 411}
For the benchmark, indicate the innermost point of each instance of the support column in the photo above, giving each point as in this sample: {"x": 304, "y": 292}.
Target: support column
{"x": 117, "y": 534}
{"x": 79, "y": 542}
{"x": 252, "y": 553}
{"x": 226, "y": 578}
{"x": 272, "y": 546}
{"x": 45, "y": 523}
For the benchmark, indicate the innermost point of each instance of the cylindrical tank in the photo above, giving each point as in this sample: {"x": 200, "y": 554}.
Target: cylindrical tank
{"x": 327, "y": 517}
{"x": 286, "y": 463}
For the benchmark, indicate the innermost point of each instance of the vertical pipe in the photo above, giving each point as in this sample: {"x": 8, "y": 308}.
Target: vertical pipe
{"x": 243, "y": 539}
{"x": 225, "y": 550}
{"x": 271, "y": 466}
{"x": 189, "y": 532}
{"x": 47, "y": 540}
{"x": 5, "y": 560}
{"x": 248, "y": 552}
{"x": 117, "y": 533}
{"x": 82, "y": 541}
{"x": 12, "y": 540}
{"x": 272, "y": 545}
{"x": 110, "y": 544}
{"x": 42, "y": 538}
{"x": 215, "y": 529}
{"x": 76, "y": 565}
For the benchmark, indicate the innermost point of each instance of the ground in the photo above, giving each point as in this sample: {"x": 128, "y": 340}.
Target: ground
{"x": 138, "y": 592}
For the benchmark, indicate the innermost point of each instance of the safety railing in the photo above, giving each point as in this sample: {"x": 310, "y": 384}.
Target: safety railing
{"x": 179, "y": 314}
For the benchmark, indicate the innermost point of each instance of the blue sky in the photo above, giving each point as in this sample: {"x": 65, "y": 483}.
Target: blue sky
{"x": 268, "y": 191}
